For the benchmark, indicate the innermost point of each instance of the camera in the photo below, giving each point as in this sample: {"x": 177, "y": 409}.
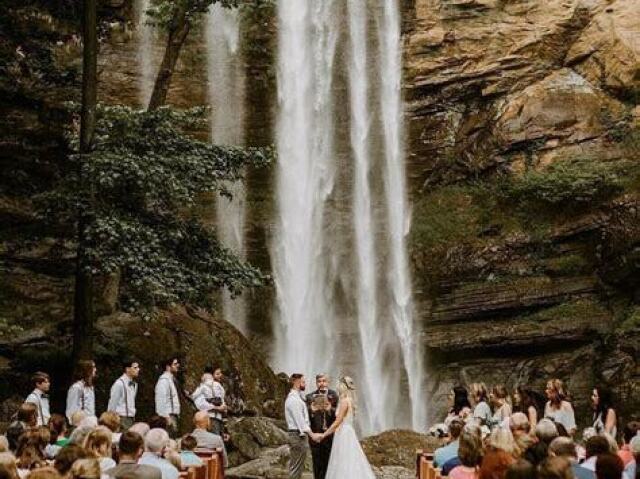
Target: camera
{"x": 216, "y": 401}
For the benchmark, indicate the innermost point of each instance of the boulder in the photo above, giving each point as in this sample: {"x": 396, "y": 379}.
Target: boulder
{"x": 265, "y": 431}
{"x": 397, "y": 448}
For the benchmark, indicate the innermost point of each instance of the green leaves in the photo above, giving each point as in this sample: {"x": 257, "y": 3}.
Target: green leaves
{"x": 134, "y": 193}
{"x": 163, "y": 12}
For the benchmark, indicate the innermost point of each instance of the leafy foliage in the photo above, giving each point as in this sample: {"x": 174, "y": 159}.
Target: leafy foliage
{"x": 134, "y": 193}
{"x": 162, "y": 13}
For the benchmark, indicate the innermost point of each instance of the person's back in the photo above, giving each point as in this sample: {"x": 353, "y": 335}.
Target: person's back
{"x": 130, "y": 450}
{"x": 495, "y": 464}
{"x": 187, "y": 457}
{"x": 155, "y": 442}
{"x": 443, "y": 454}
{"x": 609, "y": 466}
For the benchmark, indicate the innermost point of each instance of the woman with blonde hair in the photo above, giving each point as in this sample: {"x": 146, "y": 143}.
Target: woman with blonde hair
{"x": 502, "y": 404}
{"x": 8, "y": 461}
{"x": 98, "y": 444}
{"x": 347, "y": 458}
{"x": 86, "y": 469}
{"x": 558, "y": 408}
{"x": 480, "y": 398}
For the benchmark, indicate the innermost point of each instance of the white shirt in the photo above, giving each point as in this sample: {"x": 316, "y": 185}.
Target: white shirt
{"x": 41, "y": 401}
{"x": 200, "y": 396}
{"x": 296, "y": 413}
{"x": 122, "y": 399}
{"x": 81, "y": 397}
{"x": 564, "y": 415}
{"x": 167, "y": 400}
{"x": 167, "y": 469}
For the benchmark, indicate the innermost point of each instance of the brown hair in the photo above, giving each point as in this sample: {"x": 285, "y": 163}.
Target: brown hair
{"x": 98, "y": 442}
{"x": 57, "y": 427}
{"x": 495, "y": 464}
{"x": 67, "y": 456}
{"x": 85, "y": 469}
{"x": 563, "y": 446}
{"x": 130, "y": 443}
{"x": 28, "y": 414}
{"x": 555, "y": 468}
{"x": 30, "y": 450}
{"x": 110, "y": 420}
{"x": 45, "y": 473}
{"x": 39, "y": 377}
{"x": 294, "y": 377}
{"x": 521, "y": 469}
{"x": 609, "y": 466}
{"x": 470, "y": 448}
{"x": 188, "y": 443}
{"x": 8, "y": 461}
{"x": 84, "y": 371}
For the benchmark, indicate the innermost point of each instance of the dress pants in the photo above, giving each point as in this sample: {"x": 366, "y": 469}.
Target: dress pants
{"x": 320, "y": 453}
{"x": 172, "y": 427}
{"x": 217, "y": 426}
{"x": 298, "y": 447}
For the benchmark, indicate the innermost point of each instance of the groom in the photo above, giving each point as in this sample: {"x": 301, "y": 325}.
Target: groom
{"x": 322, "y": 405}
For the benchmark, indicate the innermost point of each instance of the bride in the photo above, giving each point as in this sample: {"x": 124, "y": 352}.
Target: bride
{"x": 347, "y": 458}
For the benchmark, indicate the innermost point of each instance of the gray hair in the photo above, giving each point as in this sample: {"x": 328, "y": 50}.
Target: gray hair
{"x": 634, "y": 444}
{"x": 141, "y": 428}
{"x": 156, "y": 440}
{"x": 563, "y": 447}
{"x": 79, "y": 434}
{"x": 519, "y": 422}
{"x": 546, "y": 430}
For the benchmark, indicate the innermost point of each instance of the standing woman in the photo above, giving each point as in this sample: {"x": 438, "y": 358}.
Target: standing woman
{"x": 530, "y": 403}
{"x": 605, "y": 418}
{"x": 481, "y": 409}
{"x": 558, "y": 408}
{"x": 501, "y": 404}
{"x": 81, "y": 396}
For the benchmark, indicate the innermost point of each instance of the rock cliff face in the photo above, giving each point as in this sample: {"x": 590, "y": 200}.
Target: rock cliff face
{"x": 505, "y": 97}
{"x": 523, "y": 135}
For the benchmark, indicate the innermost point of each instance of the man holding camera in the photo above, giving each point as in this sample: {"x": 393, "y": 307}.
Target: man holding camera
{"x": 322, "y": 404}
{"x": 209, "y": 396}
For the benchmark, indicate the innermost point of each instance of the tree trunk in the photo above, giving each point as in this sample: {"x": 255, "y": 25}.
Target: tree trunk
{"x": 83, "y": 317}
{"x": 178, "y": 33}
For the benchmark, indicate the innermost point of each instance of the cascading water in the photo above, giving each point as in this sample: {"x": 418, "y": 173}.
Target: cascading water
{"x": 226, "y": 97}
{"x": 307, "y": 38}
{"x": 311, "y": 318}
{"x": 397, "y": 212}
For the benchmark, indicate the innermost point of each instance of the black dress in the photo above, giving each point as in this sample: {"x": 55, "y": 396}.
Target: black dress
{"x": 320, "y": 422}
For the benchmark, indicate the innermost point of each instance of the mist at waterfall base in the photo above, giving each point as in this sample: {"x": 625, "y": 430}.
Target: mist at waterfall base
{"x": 339, "y": 254}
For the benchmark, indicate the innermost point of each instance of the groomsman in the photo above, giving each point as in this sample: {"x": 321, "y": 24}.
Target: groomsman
{"x": 322, "y": 405}
{"x": 39, "y": 397}
{"x": 81, "y": 395}
{"x": 122, "y": 399}
{"x": 297, "y": 417}
{"x": 166, "y": 392}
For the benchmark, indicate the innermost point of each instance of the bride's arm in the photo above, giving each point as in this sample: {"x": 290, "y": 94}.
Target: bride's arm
{"x": 343, "y": 407}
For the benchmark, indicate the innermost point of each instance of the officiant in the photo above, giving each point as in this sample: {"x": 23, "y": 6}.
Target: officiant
{"x": 322, "y": 404}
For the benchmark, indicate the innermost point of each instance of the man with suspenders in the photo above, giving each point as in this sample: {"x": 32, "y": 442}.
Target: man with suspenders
{"x": 167, "y": 399}
{"x": 122, "y": 399}
{"x": 40, "y": 397}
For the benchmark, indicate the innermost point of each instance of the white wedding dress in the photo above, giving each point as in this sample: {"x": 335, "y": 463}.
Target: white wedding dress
{"x": 347, "y": 459}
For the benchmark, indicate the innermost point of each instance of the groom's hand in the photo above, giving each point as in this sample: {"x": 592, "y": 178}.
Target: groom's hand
{"x": 316, "y": 437}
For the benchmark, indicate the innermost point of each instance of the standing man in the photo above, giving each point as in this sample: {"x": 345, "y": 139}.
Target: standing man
{"x": 81, "y": 396}
{"x": 297, "y": 417}
{"x": 322, "y": 405}
{"x": 122, "y": 399}
{"x": 167, "y": 400}
{"x": 39, "y": 397}
{"x": 209, "y": 396}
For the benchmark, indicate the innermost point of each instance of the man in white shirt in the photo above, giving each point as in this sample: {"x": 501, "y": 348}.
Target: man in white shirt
{"x": 298, "y": 426}
{"x": 81, "y": 396}
{"x": 155, "y": 444}
{"x": 210, "y": 396}
{"x": 167, "y": 399}
{"x": 122, "y": 399}
{"x": 40, "y": 397}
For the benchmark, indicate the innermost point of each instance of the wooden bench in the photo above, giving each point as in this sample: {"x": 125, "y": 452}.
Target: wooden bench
{"x": 424, "y": 466}
{"x": 214, "y": 463}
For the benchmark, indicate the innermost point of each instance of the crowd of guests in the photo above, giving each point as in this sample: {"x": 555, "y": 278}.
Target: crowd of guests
{"x": 82, "y": 445}
{"x": 492, "y": 434}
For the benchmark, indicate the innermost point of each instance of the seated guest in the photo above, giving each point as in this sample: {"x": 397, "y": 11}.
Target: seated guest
{"x": 203, "y": 437}
{"x": 79, "y": 435}
{"x": 88, "y": 468}
{"x": 4, "y": 444}
{"x": 141, "y": 428}
{"x": 521, "y": 429}
{"x": 155, "y": 443}
{"x": 609, "y": 466}
{"x": 605, "y": 419}
{"x": 66, "y": 457}
{"x": 26, "y": 418}
{"x": 131, "y": 448}
{"x": 555, "y": 468}
{"x": 628, "y": 433}
{"x": 98, "y": 444}
{"x": 500, "y": 454}
{"x": 30, "y": 452}
{"x": 8, "y": 461}
{"x": 111, "y": 421}
{"x": 521, "y": 469}
{"x": 58, "y": 432}
{"x": 187, "y": 456}
{"x": 443, "y": 454}
{"x": 469, "y": 456}
{"x": 558, "y": 408}
{"x": 545, "y": 432}
{"x": 44, "y": 473}
{"x": 565, "y": 447}
{"x": 158, "y": 422}
{"x": 594, "y": 446}
{"x": 77, "y": 418}
{"x": 631, "y": 470}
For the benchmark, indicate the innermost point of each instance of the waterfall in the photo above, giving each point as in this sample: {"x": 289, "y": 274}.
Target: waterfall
{"x": 397, "y": 212}
{"x": 307, "y": 39}
{"x": 226, "y": 97}
{"x": 145, "y": 53}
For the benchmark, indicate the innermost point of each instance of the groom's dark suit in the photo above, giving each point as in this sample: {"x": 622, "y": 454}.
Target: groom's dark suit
{"x": 320, "y": 422}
